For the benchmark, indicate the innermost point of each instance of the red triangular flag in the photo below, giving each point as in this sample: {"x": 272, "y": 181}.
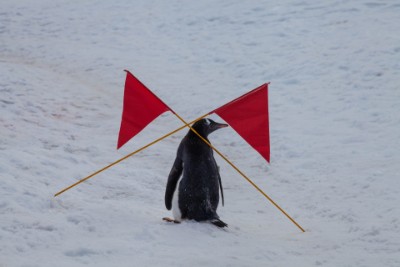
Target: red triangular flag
{"x": 248, "y": 116}
{"x": 140, "y": 108}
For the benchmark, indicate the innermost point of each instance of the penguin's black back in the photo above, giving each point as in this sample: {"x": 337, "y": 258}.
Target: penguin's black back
{"x": 199, "y": 187}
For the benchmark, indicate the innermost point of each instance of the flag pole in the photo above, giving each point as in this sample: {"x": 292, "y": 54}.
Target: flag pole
{"x": 240, "y": 172}
{"x": 127, "y": 156}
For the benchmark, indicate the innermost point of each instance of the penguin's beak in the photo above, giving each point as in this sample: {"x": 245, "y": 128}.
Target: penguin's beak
{"x": 215, "y": 126}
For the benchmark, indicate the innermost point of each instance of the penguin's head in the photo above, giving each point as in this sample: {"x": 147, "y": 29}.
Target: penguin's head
{"x": 207, "y": 126}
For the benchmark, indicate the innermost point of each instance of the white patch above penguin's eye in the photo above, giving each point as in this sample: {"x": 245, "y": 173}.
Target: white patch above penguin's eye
{"x": 208, "y": 122}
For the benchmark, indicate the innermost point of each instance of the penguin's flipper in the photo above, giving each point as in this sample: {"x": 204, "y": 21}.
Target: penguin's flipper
{"x": 218, "y": 223}
{"x": 220, "y": 186}
{"x": 170, "y": 220}
{"x": 173, "y": 178}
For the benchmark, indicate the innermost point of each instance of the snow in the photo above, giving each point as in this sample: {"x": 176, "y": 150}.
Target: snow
{"x": 334, "y": 109}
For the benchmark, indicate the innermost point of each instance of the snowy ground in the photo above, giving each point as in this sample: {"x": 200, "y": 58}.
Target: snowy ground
{"x": 334, "y": 68}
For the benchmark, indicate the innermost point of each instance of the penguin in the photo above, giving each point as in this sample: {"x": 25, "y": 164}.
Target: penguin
{"x": 194, "y": 181}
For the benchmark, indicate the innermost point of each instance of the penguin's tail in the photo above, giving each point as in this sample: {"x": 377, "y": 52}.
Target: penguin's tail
{"x": 217, "y": 222}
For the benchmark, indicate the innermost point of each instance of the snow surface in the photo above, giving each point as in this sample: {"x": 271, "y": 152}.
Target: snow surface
{"x": 334, "y": 68}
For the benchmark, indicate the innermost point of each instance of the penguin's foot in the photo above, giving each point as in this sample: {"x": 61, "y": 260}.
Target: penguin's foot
{"x": 218, "y": 223}
{"x": 170, "y": 220}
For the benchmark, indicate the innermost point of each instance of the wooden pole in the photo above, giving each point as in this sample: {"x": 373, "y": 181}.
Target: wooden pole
{"x": 240, "y": 172}
{"x": 127, "y": 156}
{"x": 208, "y": 143}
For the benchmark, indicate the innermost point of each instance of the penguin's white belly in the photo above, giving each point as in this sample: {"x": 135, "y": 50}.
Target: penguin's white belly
{"x": 176, "y": 212}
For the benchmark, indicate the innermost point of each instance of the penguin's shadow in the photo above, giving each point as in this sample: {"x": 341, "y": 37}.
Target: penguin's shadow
{"x": 192, "y": 224}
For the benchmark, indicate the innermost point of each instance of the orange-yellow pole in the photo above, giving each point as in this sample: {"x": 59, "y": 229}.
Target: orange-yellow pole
{"x": 202, "y": 138}
{"x": 127, "y": 156}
